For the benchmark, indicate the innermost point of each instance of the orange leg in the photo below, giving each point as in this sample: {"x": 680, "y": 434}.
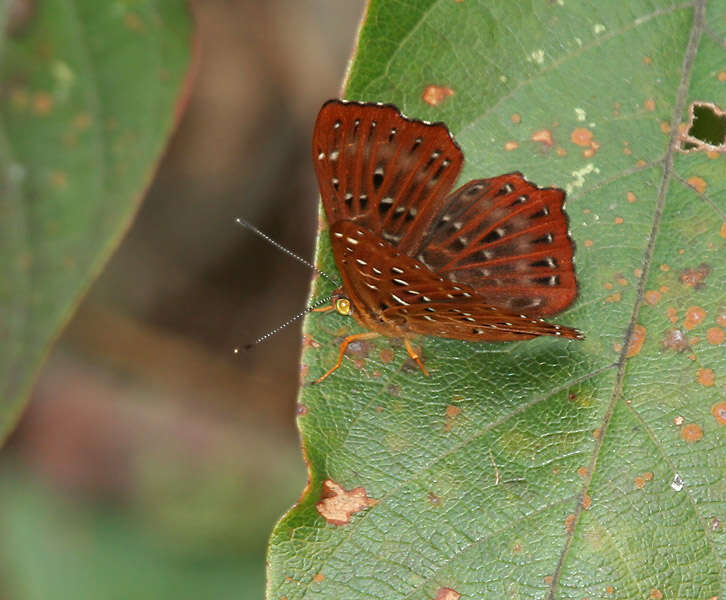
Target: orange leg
{"x": 341, "y": 353}
{"x": 323, "y": 308}
{"x": 415, "y": 356}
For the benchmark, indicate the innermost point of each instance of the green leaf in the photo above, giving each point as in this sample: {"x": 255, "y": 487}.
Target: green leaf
{"x": 542, "y": 469}
{"x": 88, "y": 101}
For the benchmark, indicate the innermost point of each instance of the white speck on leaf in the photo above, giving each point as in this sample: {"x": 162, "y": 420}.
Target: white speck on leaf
{"x": 580, "y": 112}
{"x": 677, "y": 483}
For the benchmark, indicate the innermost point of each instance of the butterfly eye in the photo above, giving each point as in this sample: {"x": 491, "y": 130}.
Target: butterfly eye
{"x": 342, "y": 306}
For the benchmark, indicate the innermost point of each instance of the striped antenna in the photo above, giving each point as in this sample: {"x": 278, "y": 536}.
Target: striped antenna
{"x": 267, "y": 238}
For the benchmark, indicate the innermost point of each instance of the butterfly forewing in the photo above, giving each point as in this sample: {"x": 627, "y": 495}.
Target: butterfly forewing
{"x": 396, "y": 295}
{"x": 508, "y": 239}
{"x": 383, "y": 171}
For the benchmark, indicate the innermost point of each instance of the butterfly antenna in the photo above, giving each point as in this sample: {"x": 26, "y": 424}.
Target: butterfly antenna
{"x": 267, "y": 238}
{"x": 310, "y": 308}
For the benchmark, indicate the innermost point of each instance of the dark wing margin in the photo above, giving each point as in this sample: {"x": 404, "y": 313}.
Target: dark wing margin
{"x": 384, "y": 171}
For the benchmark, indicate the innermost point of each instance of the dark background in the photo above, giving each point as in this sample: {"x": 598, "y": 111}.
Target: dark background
{"x": 152, "y": 462}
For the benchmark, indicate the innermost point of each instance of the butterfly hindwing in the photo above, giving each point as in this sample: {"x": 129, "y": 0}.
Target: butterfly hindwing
{"x": 509, "y": 240}
{"x": 382, "y": 170}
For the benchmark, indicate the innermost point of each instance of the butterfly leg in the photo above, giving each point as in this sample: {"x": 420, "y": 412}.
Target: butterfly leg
{"x": 323, "y": 308}
{"x": 341, "y": 353}
{"x": 413, "y": 354}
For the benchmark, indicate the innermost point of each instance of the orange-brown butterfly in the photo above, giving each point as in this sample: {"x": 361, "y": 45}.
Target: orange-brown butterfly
{"x": 482, "y": 263}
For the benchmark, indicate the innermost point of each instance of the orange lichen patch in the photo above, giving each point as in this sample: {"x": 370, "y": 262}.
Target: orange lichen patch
{"x": 582, "y": 472}
{"x": 59, "y": 179}
{"x": 309, "y": 342}
{"x": 665, "y": 127}
{"x": 641, "y": 163}
{"x": 630, "y": 197}
{"x": 581, "y": 136}
{"x": 721, "y": 76}
{"x": 647, "y": 60}
{"x": 672, "y": 314}
{"x": 386, "y": 355}
{"x": 656, "y": 594}
{"x": 616, "y": 297}
{"x": 82, "y": 121}
{"x": 675, "y": 339}
{"x": 695, "y": 277}
{"x": 511, "y": 145}
{"x": 652, "y": 297}
{"x": 694, "y": 316}
{"x": 338, "y": 505}
{"x": 133, "y": 22}
{"x": 718, "y": 411}
{"x": 649, "y": 104}
{"x": 543, "y": 136}
{"x": 697, "y": 183}
{"x": 451, "y": 413}
{"x": 586, "y": 502}
{"x": 715, "y": 336}
{"x": 589, "y": 243}
{"x": 705, "y": 377}
{"x": 447, "y": 594}
{"x": 318, "y": 577}
{"x": 619, "y": 220}
{"x": 42, "y": 103}
{"x": 635, "y": 343}
{"x": 561, "y": 151}
{"x": 691, "y": 433}
{"x": 516, "y": 118}
{"x": 569, "y": 523}
{"x": 436, "y": 94}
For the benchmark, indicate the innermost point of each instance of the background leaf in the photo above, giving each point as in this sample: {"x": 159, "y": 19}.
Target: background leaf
{"x": 88, "y": 96}
{"x": 544, "y": 469}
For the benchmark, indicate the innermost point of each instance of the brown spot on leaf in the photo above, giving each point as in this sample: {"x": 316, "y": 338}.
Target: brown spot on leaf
{"x": 588, "y": 243}
{"x": 721, "y": 320}
{"x": 511, "y": 145}
{"x": 656, "y": 594}
{"x": 561, "y": 151}
{"x": 436, "y": 94}
{"x": 318, "y": 577}
{"x": 715, "y": 336}
{"x": 447, "y": 594}
{"x": 301, "y": 410}
{"x": 42, "y": 103}
{"x": 569, "y": 523}
{"x": 586, "y": 502}
{"x": 309, "y": 342}
{"x": 635, "y": 343}
{"x": 665, "y": 268}
{"x": 386, "y": 355}
{"x": 582, "y": 472}
{"x": 434, "y": 499}
{"x": 691, "y": 433}
{"x": 516, "y": 118}
{"x": 338, "y": 505}
{"x": 694, "y": 317}
{"x": 596, "y": 433}
{"x": 451, "y": 413}
{"x": 641, "y": 163}
{"x": 543, "y": 136}
{"x": 718, "y": 411}
{"x": 695, "y": 277}
{"x": 647, "y": 60}
{"x": 721, "y": 76}
{"x": 723, "y": 230}
{"x": 672, "y": 314}
{"x": 581, "y": 136}
{"x": 649, "y": 104}
{"x": 705, "y": 377}
{"x": 517, "y": 548}
{"x": 610, "y": 589}
{"x": 675, "y": 339}
{"x": 630, "y": 197}
{"x": 619, "y": 220}
{"x": 652, "y": 297}
{"x": 697, "y": 183}
{"x": 665, "y": 127}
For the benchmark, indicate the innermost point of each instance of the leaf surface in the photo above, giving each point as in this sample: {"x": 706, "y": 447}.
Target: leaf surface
{"x": 541, "y": 469}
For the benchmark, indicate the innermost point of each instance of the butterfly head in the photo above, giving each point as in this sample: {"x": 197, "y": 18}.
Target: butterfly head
{"x": 341, "y": 304}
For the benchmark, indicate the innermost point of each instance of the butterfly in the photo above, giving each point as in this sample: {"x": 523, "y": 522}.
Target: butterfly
{"x": 482, "y": 263}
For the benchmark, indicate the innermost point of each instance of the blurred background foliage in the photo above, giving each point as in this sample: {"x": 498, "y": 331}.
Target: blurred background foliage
{"x": 152, "y": 463}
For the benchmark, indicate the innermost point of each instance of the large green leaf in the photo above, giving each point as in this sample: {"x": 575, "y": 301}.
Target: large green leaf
{"x": 88, "y": 96}
{"x": 543, "y": 469}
